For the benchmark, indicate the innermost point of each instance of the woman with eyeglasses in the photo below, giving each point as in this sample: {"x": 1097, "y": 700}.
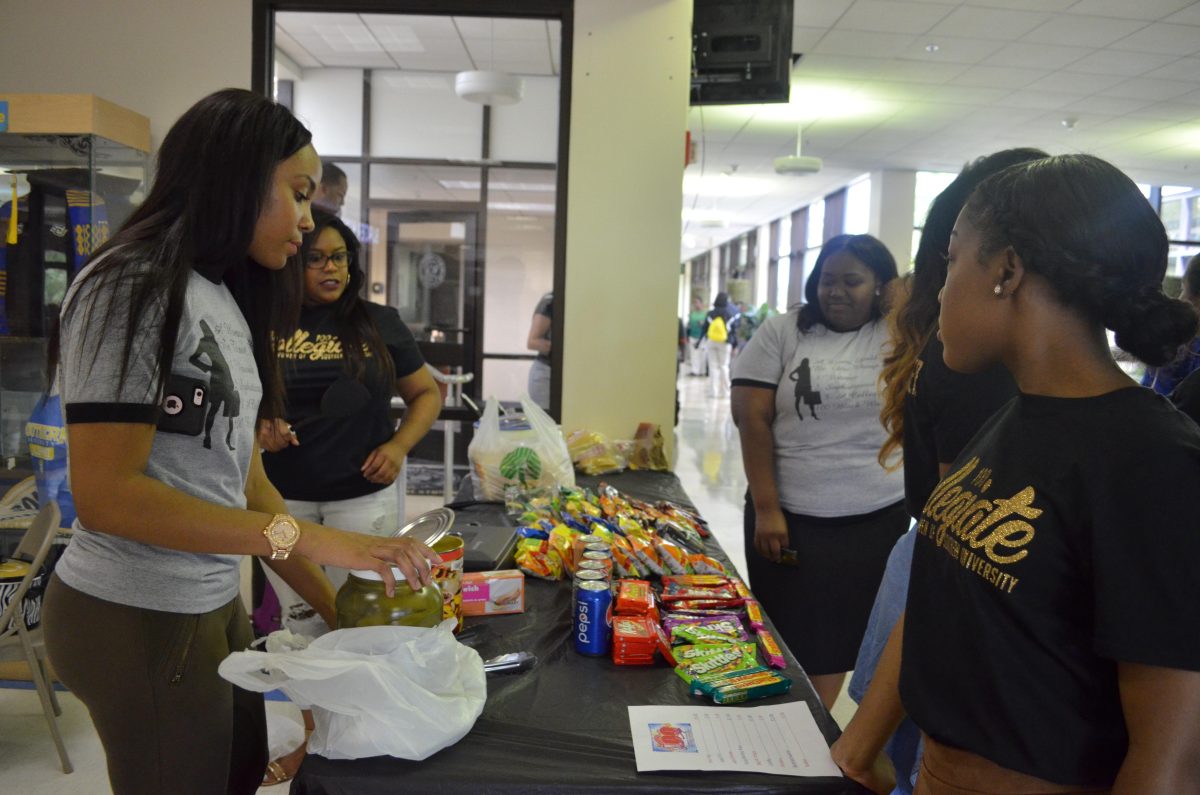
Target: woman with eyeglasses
{"x": 337, "y": 455}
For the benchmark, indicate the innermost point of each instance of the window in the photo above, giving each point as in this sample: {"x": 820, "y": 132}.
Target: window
{"x": 858, "y": 207}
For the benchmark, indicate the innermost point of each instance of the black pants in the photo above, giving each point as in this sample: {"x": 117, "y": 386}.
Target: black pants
{"x": 821, "y": 605}
{"x": 168, "y": 722}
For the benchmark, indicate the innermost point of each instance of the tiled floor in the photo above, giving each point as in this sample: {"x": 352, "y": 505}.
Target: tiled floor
{"x": 708, "y": 463}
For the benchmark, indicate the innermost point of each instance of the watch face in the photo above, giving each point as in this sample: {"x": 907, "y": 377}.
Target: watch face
{"x": 283, "y": 533}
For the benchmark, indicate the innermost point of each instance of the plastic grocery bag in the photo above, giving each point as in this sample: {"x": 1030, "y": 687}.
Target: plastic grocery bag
{"x": 527, "y": 452}
{"x": 406, "y": 692}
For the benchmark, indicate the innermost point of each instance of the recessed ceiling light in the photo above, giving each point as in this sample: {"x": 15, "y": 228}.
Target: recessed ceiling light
{"x": 1069, "y": 122}
{"x": 931, "y": 48}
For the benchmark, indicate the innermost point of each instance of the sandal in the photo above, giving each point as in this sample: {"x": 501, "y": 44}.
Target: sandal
{"x": 277, "y": 771}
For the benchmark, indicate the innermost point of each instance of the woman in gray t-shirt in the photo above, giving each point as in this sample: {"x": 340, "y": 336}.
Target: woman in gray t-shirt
{"x": 822, "y": 514}
{"x": 164, "y": 362}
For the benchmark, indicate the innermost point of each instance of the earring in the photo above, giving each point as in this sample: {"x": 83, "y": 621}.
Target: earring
{"x": 998, "y": 290}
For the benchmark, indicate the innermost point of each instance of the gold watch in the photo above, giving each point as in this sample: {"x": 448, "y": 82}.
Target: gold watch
{"x": 282, "y": 534}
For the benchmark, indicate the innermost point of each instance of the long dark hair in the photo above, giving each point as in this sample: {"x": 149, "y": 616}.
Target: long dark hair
{"x": 354, "y": 325}
{"x": 914, "y": 312}
{"x": 868, "y": 250}
{"x": 213, "y": 180}
{"x": 1086, "y": 228}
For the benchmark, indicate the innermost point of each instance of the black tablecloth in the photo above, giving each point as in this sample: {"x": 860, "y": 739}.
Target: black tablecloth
{"x": 562, "y": 727}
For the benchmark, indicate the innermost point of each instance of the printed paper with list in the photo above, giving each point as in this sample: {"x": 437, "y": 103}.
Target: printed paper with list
{"x": 782, "y": 739}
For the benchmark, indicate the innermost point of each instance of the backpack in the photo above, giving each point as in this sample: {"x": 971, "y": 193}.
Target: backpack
{"x": 717, "y": 331}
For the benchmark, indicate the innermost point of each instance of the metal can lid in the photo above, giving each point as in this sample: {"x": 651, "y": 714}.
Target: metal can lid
{"x": 598, "y": 545}
{"x": 593, "y": 585}
{"x": 595, "y": 555}
{"x": 591, "y": 574}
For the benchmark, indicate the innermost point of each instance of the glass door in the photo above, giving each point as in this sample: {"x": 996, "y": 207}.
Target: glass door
{"x": 432, "y": 278}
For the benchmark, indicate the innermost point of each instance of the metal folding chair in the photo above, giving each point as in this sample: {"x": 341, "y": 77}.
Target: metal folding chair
{"x": 33, "y": 549}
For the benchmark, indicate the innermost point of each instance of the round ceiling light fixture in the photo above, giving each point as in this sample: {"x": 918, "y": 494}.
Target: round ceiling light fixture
{"x": 489, "y": 87}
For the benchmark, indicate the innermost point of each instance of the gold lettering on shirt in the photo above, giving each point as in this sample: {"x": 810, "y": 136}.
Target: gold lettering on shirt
{"x": 322, "y": 348}
{"x": 960, "y": 520}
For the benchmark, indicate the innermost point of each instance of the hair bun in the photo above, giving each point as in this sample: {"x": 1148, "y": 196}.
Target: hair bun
{"x": 1150, "y": 325}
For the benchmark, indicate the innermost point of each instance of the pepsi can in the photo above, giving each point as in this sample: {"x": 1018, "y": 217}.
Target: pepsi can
{"x": 593, "y": 618}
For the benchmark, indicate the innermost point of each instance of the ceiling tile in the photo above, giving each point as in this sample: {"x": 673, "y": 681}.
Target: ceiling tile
{"x": 294, "y": 50}
{"x": 1188, "y": 16}
{"x": 1083, "y": 32}
{"x": 510, "y": 29}
{"x": 1025, "y": 5}
{"x": 1160, "y": 38}
{"x": 1049, "y": 100}
{"x": 1108, "y": 106}
{"x": 892, "y": 16}
{"x": 1182, "y": 69}
{"x": 971, "y": 95}
{"x": 917, "y": 72}
{"x": 951, "y": 49}
{"x": 862, "y": 43}
{"x": 1143, "y": 88}
{"x": 1043, "y": 56}
{"x": 1172, "y": 111}
{"x": 989, "y": 23}
{"x": 1129, "y": 9}
{"x": 999, "y": 77}
{"x": 1117, "y": 62}
{"x": 819, "y": 13}
{"x": 1076, "y": 83}
{"x": 804, "y": 39}
{"x": 838, "y": 66}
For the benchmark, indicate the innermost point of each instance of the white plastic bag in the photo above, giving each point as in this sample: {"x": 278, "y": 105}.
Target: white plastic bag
{"x": 529, "y": 455}
{"x": 406, "y": 692}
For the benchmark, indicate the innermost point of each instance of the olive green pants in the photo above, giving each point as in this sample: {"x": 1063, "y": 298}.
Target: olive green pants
{"x": 168, "y": 722}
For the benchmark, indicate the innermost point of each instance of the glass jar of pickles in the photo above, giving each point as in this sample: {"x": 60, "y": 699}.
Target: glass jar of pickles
{"x": 362, "y": 602}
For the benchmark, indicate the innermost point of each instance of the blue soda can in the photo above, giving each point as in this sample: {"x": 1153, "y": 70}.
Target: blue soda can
{"x": 593, "y": 618}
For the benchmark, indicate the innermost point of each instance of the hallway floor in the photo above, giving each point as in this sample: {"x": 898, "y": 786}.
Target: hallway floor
{"x": 708, "y": 462}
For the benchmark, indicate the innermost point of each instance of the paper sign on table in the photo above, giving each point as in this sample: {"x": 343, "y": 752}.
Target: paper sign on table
{"x": 782, "y": 739}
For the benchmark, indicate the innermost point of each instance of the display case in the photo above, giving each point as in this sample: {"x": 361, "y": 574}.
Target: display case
{"x": 72, "y": 169}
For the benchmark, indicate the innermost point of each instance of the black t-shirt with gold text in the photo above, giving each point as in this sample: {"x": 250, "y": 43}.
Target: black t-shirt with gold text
{"x": 327, "y": 464}
{"x": 1062, "y": 541}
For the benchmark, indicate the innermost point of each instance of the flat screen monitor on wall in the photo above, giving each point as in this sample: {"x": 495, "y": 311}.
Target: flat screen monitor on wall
{"x": 742, "y": 51}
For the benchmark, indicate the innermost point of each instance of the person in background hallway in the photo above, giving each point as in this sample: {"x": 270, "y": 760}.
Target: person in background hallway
{"x": 1048, "y": 642}
{"x": 144, "y": 603}
{"x": 717, "y": 343}
{"x": 342, "y": 470}
{"x": 821, "y": 513}
{"x": 540, "y": 340}
{"x": 331, "y": 193}
{"x": 697, "y": 361}
{"x": 930, "y": 413}
{"x": 1163, "y": 380}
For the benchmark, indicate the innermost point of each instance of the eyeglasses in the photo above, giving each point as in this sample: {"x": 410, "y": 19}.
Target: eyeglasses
{"x": 315, "y": 260}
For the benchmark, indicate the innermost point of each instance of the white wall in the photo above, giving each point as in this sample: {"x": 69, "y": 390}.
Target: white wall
{"x": 629, "y": 101}
{"x": 330, "y": 103}
{"x": 156, "y": 57}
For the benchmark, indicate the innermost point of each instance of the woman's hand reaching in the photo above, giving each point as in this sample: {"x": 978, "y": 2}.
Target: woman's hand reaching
{"x": 327, "y": 545}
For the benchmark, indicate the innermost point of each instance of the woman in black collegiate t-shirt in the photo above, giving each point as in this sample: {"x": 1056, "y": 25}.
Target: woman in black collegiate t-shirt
{"x": 1050, "y": 634}
{"x": 339, "y": 468}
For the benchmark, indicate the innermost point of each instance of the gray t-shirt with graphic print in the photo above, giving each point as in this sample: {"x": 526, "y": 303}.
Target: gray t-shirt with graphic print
{"x": 826, "y": 428}
{"x": 202, "y": 444}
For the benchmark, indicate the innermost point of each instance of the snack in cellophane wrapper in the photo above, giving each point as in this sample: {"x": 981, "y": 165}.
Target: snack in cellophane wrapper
{"x": 705, "y": 630}
{"x": 738, "y": 657}
{"x": 754, "y": 614}
{"x": 562, "y": 541}
{"x": 647, "y": 555}
{"x": 770, "y": 649}
{"x": 593, "y": 454}
{"x": 703, "y": 564}
{"x": 634, "y": 598}
{"x": 537, "y": 558}
{"x": 738, "y": 686}
{"x": 740, "y": 588}
{"x": 675, "y": 592}
{"x": 680, "y": 534}
{"x": 634, "y": 640}
{"x": 672, "y": 555}
{"x": 625, "y": 563}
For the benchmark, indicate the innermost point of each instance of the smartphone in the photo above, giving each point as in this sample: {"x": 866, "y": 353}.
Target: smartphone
{"x": 788, "y": 557}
